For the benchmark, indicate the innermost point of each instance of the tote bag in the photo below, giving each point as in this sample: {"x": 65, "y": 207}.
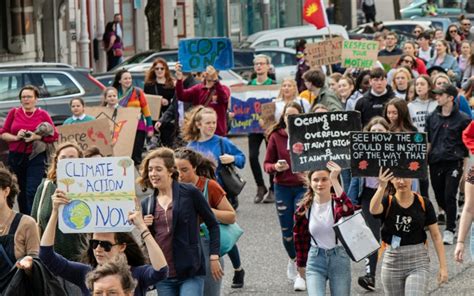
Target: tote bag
{"x": 356, "y": 237}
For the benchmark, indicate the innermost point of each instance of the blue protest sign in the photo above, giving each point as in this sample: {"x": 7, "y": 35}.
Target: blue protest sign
{"x": 195, "y": 54}
{"x": 246, "y": 104}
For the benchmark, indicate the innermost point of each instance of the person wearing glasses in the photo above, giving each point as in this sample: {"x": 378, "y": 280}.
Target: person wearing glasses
{"x": 158, "y": 81}
{"x": 391, "y": 49}
{"x": 466, "y": 28}
{"x": 417, "y": 31}
{"x": 103, "y": 248}
{"x": 410, "y": 47}
{"x": 454, "y": 38}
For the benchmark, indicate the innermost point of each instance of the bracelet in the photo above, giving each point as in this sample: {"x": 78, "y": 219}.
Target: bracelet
{"x": 214, "y": 259}
{"x": 144, "y": 232}
{"x": 460, "y": 242}
{"x": 146, "y": 235}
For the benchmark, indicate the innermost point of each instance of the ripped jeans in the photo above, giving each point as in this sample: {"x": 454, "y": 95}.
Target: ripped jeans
{"x": 286, "y": 198}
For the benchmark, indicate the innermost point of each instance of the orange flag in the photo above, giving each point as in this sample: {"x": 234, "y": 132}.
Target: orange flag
{"x": 315, "y": 13}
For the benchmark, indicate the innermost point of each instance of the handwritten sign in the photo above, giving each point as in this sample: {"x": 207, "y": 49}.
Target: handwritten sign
{"x": 102, "y": 192}
{"x": 268, "y": 114}
{"x": 195, "y": 54}
{"x": 359, "y": 53}
{"x": 246, "y": 103}
{"x": 122, "y": 127}
{"x": 326, "y": 52}
{"x": 404, "y": 153}
{"x": 154, "y": 103}
{"x": 317, "y": 138}
{"x": 389, "y": 62}
{"x": 88, "y": 134}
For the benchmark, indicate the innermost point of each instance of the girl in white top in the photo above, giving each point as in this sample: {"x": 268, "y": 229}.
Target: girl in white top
{"x": 289, "y": 93}
{"x": 423, "y": 104}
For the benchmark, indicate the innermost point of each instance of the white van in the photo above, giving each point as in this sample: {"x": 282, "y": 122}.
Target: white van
{"x": 287, "y": 37}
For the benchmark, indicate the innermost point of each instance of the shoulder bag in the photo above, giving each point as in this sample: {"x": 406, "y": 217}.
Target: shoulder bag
{"x": 232, "y": 182}
{"x": 40, "y": 204}
{"x": 229, "y": 233}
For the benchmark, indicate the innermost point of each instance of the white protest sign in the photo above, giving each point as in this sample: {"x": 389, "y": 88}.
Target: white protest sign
{"x": 102, "y": 192}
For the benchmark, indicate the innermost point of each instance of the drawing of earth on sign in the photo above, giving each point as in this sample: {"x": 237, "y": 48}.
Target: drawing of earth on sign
{"x": 77, "y": 214}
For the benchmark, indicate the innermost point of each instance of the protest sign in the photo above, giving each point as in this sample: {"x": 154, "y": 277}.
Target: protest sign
{"x": 389, "y": 62}
{"x": 326, "y": 52}
{"x": 405, "y": 154}
{"x": 102, "y": 192}
{"x": 268, "y": 114}
{"x": 88, "y": 134}
{"x": 122, "y": 126}
{"x": 317, "y": 138}
{"x": 359, "y": 53}
{"x": 245, "y": 103}
{"x": 195, "y": 54}
{"x": 154, "y": 103}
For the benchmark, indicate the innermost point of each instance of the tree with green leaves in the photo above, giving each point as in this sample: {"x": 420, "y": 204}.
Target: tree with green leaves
{"x": 125, "y": 163}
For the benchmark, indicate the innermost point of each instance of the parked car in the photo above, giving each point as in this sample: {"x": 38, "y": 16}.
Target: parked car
{"x": 416, "y": 8}
{"x": 57, "y": 83}
{"x": 287, "y": 37}
{"x": 227, "y": 77}
{"x": 436, "y": 22}
{"x": 406, "y": 26}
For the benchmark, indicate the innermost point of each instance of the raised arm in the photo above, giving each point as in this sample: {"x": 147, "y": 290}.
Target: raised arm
{"x": 376, "y": 206}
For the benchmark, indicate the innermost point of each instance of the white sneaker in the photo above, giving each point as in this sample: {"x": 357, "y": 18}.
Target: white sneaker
{"x": 448, "y": 237}
{"x": 291, "y": 270}
{"x": 300, "y": 284}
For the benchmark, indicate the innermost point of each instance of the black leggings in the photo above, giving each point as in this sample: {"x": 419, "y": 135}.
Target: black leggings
{"x": 255, "y": 140}
{"x": 138, "y": 147}
{"x": 374, "y": 225}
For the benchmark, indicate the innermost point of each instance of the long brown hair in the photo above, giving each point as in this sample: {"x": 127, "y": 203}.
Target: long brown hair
{"x": 190, "y": 130}
{"x": 51, "y": 175}
{"x": 150, "y": 77}
{"x": 307, "y": 200}
{"x": 281, "y": 123}
{"x": 9, "y": 180}
{"x": 204, "y": 166}
{"x": 403, "y": 123}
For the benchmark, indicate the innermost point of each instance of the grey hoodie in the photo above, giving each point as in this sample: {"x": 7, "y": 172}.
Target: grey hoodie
{"x": 419, "y": 110}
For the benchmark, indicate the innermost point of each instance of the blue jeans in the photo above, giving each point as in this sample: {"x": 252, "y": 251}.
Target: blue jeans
{"x": 193, "y": 286}
{"x": 333, "y": 265}
{"x": 286, "y": 198}
{"x": 346, "y": 179}
{"x": 29, "y": 174}
{"x": 211, "y": 286}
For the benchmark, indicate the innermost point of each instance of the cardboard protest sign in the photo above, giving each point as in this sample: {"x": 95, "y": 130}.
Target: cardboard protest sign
{"x": 245, "y": 103}
{"x": 101, "y": 191}
{"x": 405, "y": 154}
{"x": 268, "y": 114}
{"x": 154, "y": 103}
{"x": 389, "y": 62}
{"x": 122, "y": 127}
{"x": 359, "y": 53}
{"x": 317, "y": 138}
{"x": 326, "y": 52}
{"x": 88, "y": 134}
{"x": 195, "y": 54}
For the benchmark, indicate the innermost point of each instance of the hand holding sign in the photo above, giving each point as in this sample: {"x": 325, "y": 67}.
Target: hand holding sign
{"x": 178, "y": 73}
{"x": 59, "y": 198}
{"x": 136, "y": 218}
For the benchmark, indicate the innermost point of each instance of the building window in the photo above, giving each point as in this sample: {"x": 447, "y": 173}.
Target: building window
{"x": 3, "y": 27}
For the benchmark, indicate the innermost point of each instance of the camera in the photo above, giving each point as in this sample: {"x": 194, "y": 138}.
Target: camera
{"x": 27, "y": 134}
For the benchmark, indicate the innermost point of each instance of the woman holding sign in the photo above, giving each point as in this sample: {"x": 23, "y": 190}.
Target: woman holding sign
{"x": 103, "y": 248}
{"x": 289, "y": 187}
{"x": 319, "y": 254}
{"x": 131, "y": 96}
{"x": 404, "y": 215}
{"x": 173, "y": 213}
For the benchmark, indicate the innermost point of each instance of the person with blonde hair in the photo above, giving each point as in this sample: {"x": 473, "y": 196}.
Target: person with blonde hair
{"x": 289, "y": 93}
{"x": 110, "y": 98}
{"x": 401, "y": 78}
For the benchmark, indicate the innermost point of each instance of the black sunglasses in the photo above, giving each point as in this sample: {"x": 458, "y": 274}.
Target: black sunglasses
{"x": 106, "y": 245}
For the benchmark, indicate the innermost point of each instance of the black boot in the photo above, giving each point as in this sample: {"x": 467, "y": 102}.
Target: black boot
{"x": 261, "y": 191}
{"x": 238, "y": 279}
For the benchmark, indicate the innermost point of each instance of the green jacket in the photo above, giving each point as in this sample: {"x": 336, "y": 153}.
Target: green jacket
{"x": 329, "y": 99}
{"x": 68, "y": 245}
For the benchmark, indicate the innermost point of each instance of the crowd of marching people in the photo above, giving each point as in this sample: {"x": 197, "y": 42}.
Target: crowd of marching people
{"x": 178, "y": 245}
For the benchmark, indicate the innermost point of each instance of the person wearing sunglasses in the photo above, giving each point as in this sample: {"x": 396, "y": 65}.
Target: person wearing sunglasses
{"x": 454, "y": 38}
{"x": 417, "y": 31}
{"x": 158, "y": 81}
{"x": 103, "y": 248}
{"x": 466, "y": 28}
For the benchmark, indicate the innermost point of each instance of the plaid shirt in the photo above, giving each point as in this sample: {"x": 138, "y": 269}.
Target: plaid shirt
{"x": 301, "y": 235}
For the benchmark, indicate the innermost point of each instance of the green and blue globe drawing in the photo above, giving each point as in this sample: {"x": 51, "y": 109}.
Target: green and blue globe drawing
{"x": 77, "y": 214}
